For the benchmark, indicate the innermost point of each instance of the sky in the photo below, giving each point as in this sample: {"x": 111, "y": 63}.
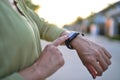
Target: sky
{"x": 61, "y": 12}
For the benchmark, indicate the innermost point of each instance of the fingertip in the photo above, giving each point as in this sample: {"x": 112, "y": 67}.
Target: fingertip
{"x": 66, "y": 36}
{"x": 60, "y": 40}
{"x": 92, "y": 71}
{"x": 110, "y": 56}
{"x": 107, "y": 54}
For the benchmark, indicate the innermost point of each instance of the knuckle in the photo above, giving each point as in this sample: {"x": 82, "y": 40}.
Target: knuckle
{"x": 97, "y": 53}
{"x": 61, "y": 62}
{"x": 102, "y": 48}
{"x": 59, "y": 39}
{"x": 91, "y": 59}
{"x": 99, "y": 73}
{"x": 105, "y": 68}
{"x": 49, "y": 47}
{"x": 109, "y": 63}
{"x": 110, "y": 56}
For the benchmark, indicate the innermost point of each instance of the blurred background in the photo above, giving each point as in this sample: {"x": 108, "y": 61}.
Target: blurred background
{"x": 98, "y": 19}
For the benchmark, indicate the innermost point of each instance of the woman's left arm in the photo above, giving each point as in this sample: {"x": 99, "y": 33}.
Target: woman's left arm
{"x": 93, "y": 56}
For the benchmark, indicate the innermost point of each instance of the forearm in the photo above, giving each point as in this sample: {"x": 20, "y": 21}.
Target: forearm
{"x": 32, "y": 73}
{"x": 49, "y": 62}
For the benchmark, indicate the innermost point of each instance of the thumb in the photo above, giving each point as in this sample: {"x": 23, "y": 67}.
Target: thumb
{"x": 60, "y": 40}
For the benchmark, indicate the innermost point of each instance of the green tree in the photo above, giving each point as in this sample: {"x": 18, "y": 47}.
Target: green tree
{"x": 78, "y": 20}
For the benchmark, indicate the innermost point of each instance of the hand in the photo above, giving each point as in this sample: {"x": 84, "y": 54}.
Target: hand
{"x": 51, "y": 59}
{"x": 49, "y": 62}
{"x": 93, "y": 56}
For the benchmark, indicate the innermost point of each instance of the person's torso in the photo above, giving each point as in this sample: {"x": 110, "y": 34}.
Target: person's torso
{"x": 19, "y": 39}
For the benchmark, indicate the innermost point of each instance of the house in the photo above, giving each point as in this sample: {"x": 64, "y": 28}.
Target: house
{"x": 113, "y": 20}
{"x": 108, "y": 20}
{"x": 105, "y": 22}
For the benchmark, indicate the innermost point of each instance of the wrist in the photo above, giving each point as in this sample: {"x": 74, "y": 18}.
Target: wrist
{"x": 79, "y": 43}
{"x": 31, "y": 73}
{"x": 72, "y": 35}
{"x": 39, "y": 73}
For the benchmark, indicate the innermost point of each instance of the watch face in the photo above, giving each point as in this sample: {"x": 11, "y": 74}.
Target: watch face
{"x": 70, "y": 34}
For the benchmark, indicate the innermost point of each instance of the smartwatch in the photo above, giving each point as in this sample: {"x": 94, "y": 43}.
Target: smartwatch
{"x": 72, "y": 36}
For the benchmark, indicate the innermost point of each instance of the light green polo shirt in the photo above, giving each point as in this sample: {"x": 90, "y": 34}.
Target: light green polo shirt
{"x": 20, "y": 38}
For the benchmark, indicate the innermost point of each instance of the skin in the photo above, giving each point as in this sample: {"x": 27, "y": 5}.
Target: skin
{"x": 48, "y": 63}
{"x": 94, "y": 57}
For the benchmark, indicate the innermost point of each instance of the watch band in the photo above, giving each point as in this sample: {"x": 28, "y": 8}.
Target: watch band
{"x": 72, "y": 36}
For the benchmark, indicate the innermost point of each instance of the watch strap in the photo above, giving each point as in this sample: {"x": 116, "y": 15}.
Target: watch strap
{"x": 71, "y": 36}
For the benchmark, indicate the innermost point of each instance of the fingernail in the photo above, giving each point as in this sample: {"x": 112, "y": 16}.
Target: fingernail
{"x": 66, "y": 36}
{"x": 94, "y": 76}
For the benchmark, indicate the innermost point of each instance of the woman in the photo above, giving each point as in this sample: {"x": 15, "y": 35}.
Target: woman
{"x": 21, "y": 57}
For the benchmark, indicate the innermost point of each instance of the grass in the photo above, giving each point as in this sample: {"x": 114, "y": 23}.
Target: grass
{"x": 115, "y": 37}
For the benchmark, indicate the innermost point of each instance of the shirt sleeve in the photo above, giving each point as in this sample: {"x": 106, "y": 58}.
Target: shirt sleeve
{"x": 14, "y": 76}
{"x": 47, "y": 31}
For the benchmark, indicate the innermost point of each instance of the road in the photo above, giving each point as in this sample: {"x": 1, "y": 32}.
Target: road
{"x": 74, "y": 69}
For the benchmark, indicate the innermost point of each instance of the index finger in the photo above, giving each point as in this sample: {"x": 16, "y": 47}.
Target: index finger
{"x": 60, "y": 40}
